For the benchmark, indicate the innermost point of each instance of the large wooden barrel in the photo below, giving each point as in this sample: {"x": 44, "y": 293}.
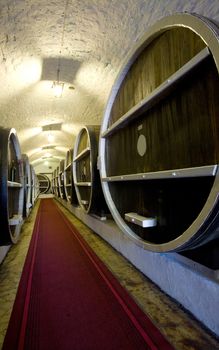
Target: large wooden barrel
{"x": 11, "y": 187}
{"x": 44, "y": 183}
{"x": 69, "y": 187}
{"x": 56, "y": 182}
{"x": 61, "y": 179}
{"x": 27, "y": 185}
{"x": 53, "y": 182}
{"x": 85, "y": 173}
{"x": 34, "y": 186}
{"x": 159, "y": 144}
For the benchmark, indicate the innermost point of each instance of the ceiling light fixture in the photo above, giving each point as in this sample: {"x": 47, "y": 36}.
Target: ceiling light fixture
{"x": 48, "y": 155}
{"x": 49, "y": 128}
{"x": 45, "y": 157}
{"x": 58, "y": 86}
{"x": 54, "y": 126}
{"x": 50, "y": 137}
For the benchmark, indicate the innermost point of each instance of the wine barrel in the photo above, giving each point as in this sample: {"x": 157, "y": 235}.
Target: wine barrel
{"x": 69, "y": 187}
{"x": 61, "y": 179}
{"x": 44, "y": 183}
{"x": 85, "y": 173}
{"x": 159, "y": 143}
{"x": 34, "y": 186}
{"x": 27, "y": 185}
{"x": 56, "y": 183}
{"x": 11, "y": 187}
{"x": 53, "y": 182}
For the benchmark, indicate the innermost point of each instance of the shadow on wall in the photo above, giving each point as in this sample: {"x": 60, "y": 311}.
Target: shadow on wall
{"x": 68, "y": 69}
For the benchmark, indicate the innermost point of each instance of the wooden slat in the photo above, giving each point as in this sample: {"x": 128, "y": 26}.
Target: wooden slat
{"x": 68, "y": 166}
{"x": 82, "y": 154}
{"x": 208, "y": 170}
{"x": 140, "y": 220}
{"x": 15, "y": 220}
{"x": 85, "y": 184}
{"x": 14, "y": 184}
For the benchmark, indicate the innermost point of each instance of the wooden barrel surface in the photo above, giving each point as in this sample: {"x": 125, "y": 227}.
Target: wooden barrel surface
{"x": 159, "y": 144}
{"x": 85, "y": 173}
{"x": 44, "y": 183}
{"x": 27, "y": 185}
{"x": 61, "y": 179}
{"x": 11, "y": 187}
{"x": 69, "y": 188}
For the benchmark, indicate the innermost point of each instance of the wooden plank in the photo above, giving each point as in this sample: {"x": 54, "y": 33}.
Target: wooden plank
{"x": 140, "y": 220}
{"x": 15, "y": 220}
{"x": 82, "y": 154}
{"x": 14, "y": 184}
{"x": 83, "y": 184}
{"x": 208, "y": 170}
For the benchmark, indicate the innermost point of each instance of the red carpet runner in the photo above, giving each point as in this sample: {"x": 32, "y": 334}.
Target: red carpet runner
{"x": 68, "y": 300}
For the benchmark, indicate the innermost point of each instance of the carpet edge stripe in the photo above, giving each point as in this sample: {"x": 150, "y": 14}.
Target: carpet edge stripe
{"x": 29, "y": 285}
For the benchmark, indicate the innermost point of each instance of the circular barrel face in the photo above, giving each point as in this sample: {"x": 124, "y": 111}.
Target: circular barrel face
{"x": 69, "y": 187}
{"x": 84, "y": 162}
{"x": 11, "y": 187}
{"x": 159, "y": 143}
{"x": 85, "y": 173}
{"x": 27, "y": 185}
{"x": 44, "y": 183}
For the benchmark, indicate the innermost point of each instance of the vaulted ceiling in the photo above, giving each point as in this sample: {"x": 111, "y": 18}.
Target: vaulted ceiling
{"x": 81, "y": 43}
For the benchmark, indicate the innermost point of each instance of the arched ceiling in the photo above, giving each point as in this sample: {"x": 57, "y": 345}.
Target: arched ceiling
{"x": 86, "y": 41}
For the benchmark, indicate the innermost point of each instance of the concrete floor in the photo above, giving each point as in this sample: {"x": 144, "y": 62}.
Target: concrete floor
{"x": 182, "y": 330}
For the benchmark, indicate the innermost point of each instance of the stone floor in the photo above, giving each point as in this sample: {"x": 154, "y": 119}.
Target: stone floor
{"x": 182, "y": 330}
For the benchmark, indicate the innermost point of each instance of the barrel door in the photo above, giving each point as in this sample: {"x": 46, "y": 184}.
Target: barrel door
{"x": 69, "y": 187}
{"x": 11, "y": 187}
{"x": 159, "y": 144}
{"x": 85, "y": 173}
{"x": 27, "y": 185}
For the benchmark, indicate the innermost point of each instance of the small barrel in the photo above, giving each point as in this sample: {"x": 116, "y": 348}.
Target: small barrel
{"x": 69, "y": 187}
{"x": 44, "y": 183}
{"x": 27, "y": 185}
{"x": 85, "y": 173}
{"x": 61, "y": 179}
{"x": 11, "y": 187}
{"x": 159, "y": 143}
